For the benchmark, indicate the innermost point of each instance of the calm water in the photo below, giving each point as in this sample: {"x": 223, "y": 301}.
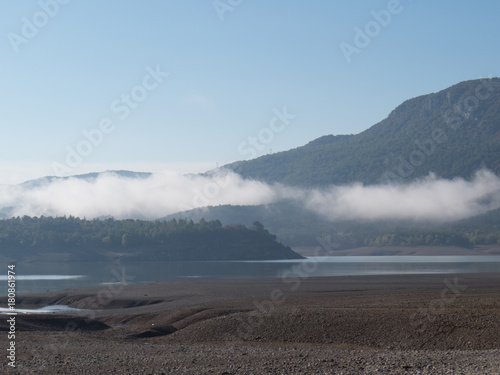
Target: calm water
{"x": 42, "y": 277}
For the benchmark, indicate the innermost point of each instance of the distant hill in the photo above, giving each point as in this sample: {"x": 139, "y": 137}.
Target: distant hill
{"x": 87, "y": 176}
{"x": 286, "y": 219}
{"x": 452, "y": 133}
{"x": 9, "y": 211}
{"x": 295, "y": 226}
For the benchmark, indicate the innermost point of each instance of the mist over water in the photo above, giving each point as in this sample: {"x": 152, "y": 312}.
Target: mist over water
{"x": 161, "y": 194}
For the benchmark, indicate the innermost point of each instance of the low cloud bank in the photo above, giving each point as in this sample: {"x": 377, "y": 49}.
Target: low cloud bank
{"x": 162, "y": 194}
{"x": 430, "y": 198}
{"x": 113, "y": 195}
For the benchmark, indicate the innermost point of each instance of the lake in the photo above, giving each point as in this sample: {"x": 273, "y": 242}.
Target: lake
{"x": 42, "y": 277}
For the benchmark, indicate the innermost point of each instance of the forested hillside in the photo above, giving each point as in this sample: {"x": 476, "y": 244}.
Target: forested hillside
{"x": 80, "y": 239}
{"x": 452, "y": 133}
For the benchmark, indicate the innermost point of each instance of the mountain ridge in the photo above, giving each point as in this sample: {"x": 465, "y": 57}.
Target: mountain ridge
{"x": 452, "y": 133}
{"x": 85, "y": 176}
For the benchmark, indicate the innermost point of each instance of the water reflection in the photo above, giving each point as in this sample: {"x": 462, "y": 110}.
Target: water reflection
{"x": 43, "y": 277}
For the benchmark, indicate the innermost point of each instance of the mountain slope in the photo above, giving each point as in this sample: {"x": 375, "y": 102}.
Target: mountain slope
{"x": 452, "y": 133}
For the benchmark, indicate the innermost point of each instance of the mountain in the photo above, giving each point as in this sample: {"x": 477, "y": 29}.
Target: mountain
{"x": 452, "y": 133}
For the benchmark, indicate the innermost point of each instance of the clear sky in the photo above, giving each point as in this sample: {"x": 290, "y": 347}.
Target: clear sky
{"x": 100, "y": 67}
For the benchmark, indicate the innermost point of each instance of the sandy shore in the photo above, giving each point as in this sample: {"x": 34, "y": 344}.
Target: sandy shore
{"x": 416, "y": 324}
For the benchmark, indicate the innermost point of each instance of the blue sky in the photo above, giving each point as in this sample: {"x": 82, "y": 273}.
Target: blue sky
{"x": 229, "y": 72}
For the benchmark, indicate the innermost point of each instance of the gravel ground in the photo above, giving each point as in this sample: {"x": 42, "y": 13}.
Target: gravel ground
{"x": 130, "y": 358}
{"x": 434, "y": 324}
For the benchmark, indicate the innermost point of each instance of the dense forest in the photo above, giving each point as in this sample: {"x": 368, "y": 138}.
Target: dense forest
{"x": 81, "y": 239}
{"x": 452, "y": 133}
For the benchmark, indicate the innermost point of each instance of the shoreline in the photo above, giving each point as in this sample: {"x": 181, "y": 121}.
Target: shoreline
{"x": 477, "y": 250}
